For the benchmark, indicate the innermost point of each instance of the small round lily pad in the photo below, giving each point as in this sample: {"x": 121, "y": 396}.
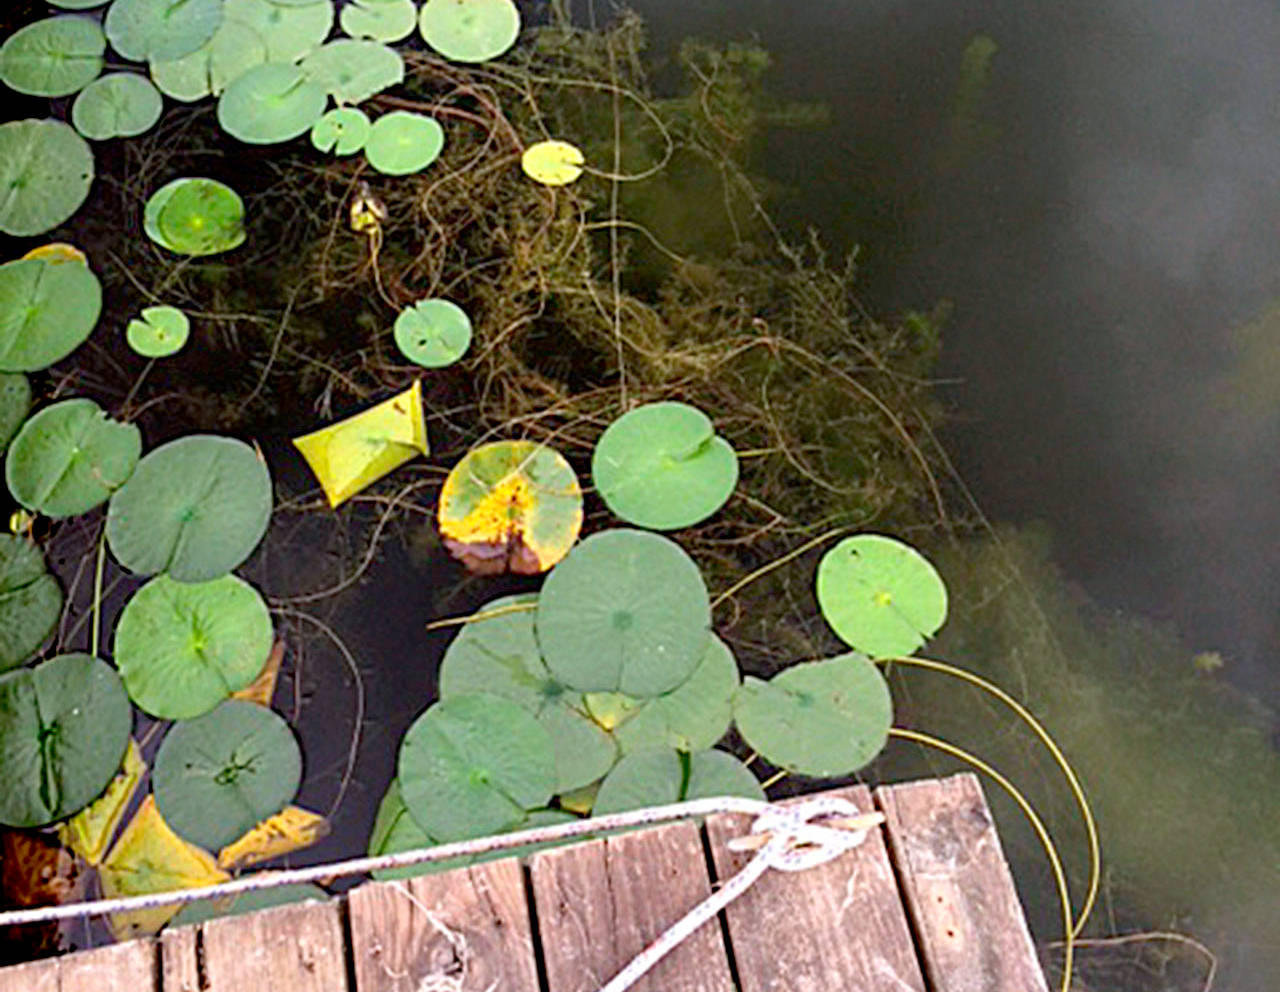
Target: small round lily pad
{"x": 143, "y": 30}
{"x": 160, "y": 331}
{"x": 47, "y": 309}
{"x": 342, "y": 131}
{"x": 15, "y": 404}
{"x": 819, "y": 718}
{"x": 30, "y": 600}
{"x": 402, "y": 142}
{"x": 351, "y": 71}
{"x": 880, "y": 596}
{"x": 380, "y": 20}
{"x": 433, "y": 333}
{"x": 46, "y": 169}
{"x": 271, "y": 103}
{"x": 53, "y": 57}
{"x": 195, "y": 216}
{"x": 117, "y": 105}
{"x": 195, "y": 507}
{"x": 64, "y": 727}
{"x": 626, "y": 611}
{"x": 469, "y": 30}
{"x": 69, "y": 458}
{"x": 552, "y": 163}
{"x": 221, "y": 774}
{"x": 183, "y": 648}
{"x": 663, "y": 466}
{"x": 658, "y": 776}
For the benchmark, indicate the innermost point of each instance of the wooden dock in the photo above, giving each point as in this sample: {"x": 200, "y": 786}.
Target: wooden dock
{"x": 926, "y": 904}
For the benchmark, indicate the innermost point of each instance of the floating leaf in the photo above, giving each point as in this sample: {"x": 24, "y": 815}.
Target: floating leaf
{"x": 118, "y": 105}
{"x": 395, "y": 831}
{"x": 402, "y": 142}
{"x": 474, "y": 765}
{"x": 357, "y": 452}
{"x": 195, "y": 507}
{"x": 45, "y": 172}
{"x": 819, "y": 718}
{"x": 270, "y": 103}
{"x": 263, "y": 688}
{"x": 342, "y": 131}
{"x": 381, "y": 20}
{"x": 663, "y": 466}
{"x": 552, "y": 163}
{"x": 247, "y": 902}
{"x": 147, "y": 30}
{"x": 15, "y": 404}
{"x": 351, "y": 71}
{"x": 184, "y": 648}
{"x": 90, "y": 831}
{"x": 510, "y": 506}
{"x": 159, "y": 332}
{"x": 77, "y": 4}
{"x": 195, "y": 216}
{"x": 47, "y": 309}
{"x": 233, "y": 50}
{"x": 220, "y": 775}
{"x": 880, "y": 596}
{"x": 626, "y": 611}
{"x": 292, "y": 829}
{"x": 69, "y": 458}
{"x": 469, "y": 30}
{"x": 58, "y": 251}
{"x": 53, "y": 57}
{"x": 433, "y": 333}
{"x": 290, "y": 31}
{"x": 64, "y": 727}
{"x": 30, "y": 600}
{"x": 657, "y": 776}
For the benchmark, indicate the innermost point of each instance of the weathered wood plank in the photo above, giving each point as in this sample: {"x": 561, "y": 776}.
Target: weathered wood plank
{"x": 179, "y": 968}
{"x": 601, "y": 903}
{"x": 973, "y": 935}
{"x": 838, "y": 926}
{"x": 471, "y": 925}
{"x": 295, "y": 948}
{"x": 34, "y": 976}
{"x": 128, "y": 967}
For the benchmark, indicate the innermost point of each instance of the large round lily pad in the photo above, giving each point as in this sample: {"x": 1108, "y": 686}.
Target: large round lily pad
{"x": 469, "y": 30}
{"x": 146, "y": 30}
{"x": 626, "y": 611}
{"x": 270, "y": 103}
{"x": 64, "y": 727}
{"x": 45, "y": 173}
{"x": 474, "y": 765}
{"x": 380, "y": 20}
{"x": 117, "y": 105}
{"x": 289, "y": 31}
{"x": 658, "y": 776}
{"x": 221, "y": 774}
{"x": 184, "y": 648}
{"x": 30, "y": 600}
{"x": 195, "y": 508}
{"x": 820, "y": 718}
{"x": 15, "y": 403}
{"x": 880, "y": 596}
{"x": 402, "y": 142}
{"x": 342, "y": 131}
{"x": 70, "y": 457}
{"x": 663, "y": 466}
{"x": 510, "y": 506}
{"x": 395, "y": 831}
{"x": 53, "y": 57}
{"x": 195, "y": 216}
{"x": 433, "y": 333}
{"x": 47, "y": 309}
{"x": 351, "y": 71}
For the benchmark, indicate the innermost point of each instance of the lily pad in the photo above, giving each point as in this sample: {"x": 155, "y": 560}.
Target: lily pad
{"x": 47, "y": 310}
{"x": 510, "y": 506}
{"x": 53, "y": 57}
{"x": 402, "y": 142}
{"x": 146, "y": 30}
{"x": 247, "y": 902}
{"x": 433, "y": 333}
{"x": 184, "y": 648}
{"x": 30, "y": 600}
{"x": 117, "y": 105}
{"x": 663, "y": 466}
{"x": 880, "y": 596}
{"x": 160, "y": 332}
{"x": 289, "y": 31}
{"x": 626, "y": 611}
{"x": 90, "y": 831}
{"x": 395, "y": 831}
{"x": 77, "y": 4}
{"x": 69, "y": 458}
{"x": 658, "y": 776}
{"x": 195, "y": 507}
{"x": 58, "y": 251}
{"x": 380, "y": 20}
{"x": 820, "y": 718}
{"x": 351, "y": 71}
{"x": 474, "y": 765}
{"x": 15, "y": 404}
{"x": 271, "y": 103}
{"x": 195, "y": 216}
{"x": 292, "y": 829}
{"x": 469, "y": 30}
{"x": 342, "y": 131}
{"x": 219, "y": 775}
{"x": 64, "y": 727}
{"x": 45, "y": 173}
{"x": 233, "y": 50}
{"x": 552, "y": 163}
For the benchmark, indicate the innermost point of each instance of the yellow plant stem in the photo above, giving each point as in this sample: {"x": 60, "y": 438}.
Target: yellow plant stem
{"x": 497, "y": 611}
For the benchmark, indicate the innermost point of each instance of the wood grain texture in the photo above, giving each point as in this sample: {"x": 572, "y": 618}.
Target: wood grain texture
{"x": 471, "y": 925}
{"x": 34, "y": 976}
{"x": 600, "y": 903}
{"x": 972, "y": 932}
{"x": 295, "y": 948}
{"x": 838, "y": 926}
{"x": 127, "y": 967}
{"x": 179, "y": 968}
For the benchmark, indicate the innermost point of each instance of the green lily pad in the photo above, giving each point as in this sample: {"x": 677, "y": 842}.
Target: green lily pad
{"x": 395, "y": 831}
{"x": 69, "y": 458}
{"x": 46, "y": 170}
{"x": 247, "y": 902}
{"x": 160, "y": 332}
{"x": 147, "y": 30}
{"x": 15, "y": 404}
{"x": 474, "y": 765}
{"x": 233, "y": 50}
{"x": 183, "y": 648}
{"x": 53, "y": 57}
{"x": 195, "y": 507}
{"x": 433, "y": 333}
{"x": 64, "y": 727}
{"x": 47, "y": 310}
{"x": 880, "y": 596}
{"x": 30, "y": 600}
{"x": 402, "y": 142}
{"x": 820, "y": 718}
{"x": 379, "y": 20}
{"x": 118, "y": 105}
{"x": 663, "y": 466}
{"x": 658, "y": 776}
{"x": 626, "y": 611}
{"x": 221, "y": 774}
{"x": 342, "y": 131}
{"x": 289, "y": 31}
{"x": 271, "y": 103}
{"x": 351, "y": 71}
{"x": 469, "y": 30}
{"x": 77, "y": 4}
{"x": 195, "y": 216}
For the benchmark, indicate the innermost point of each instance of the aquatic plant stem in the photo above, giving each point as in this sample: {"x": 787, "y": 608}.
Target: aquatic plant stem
{"x": 777, "y": 563}
{"x": 497, "y": 611}
{"x": 97, "y": 591}
{"x": 615, "y": 261}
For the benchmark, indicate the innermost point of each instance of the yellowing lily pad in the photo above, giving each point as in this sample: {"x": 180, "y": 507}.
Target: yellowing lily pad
{"x": 292, "y": 829}
{"x": 510, "y": 506}
{"x": 58, "y": 251}
{"x": 552, "y": 163}
{"x": 89, "y": 831}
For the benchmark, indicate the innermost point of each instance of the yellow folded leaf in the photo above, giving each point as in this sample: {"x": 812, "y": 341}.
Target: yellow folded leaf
{"x": 292, "y": 829}
{"x": 263, "y": 688}
{"x": 89, "y": 832}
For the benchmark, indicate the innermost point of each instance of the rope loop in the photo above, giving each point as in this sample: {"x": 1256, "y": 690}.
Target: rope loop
{"x": 798, "y": 842}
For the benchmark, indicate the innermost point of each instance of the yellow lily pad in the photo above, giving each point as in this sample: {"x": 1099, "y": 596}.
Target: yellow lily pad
{"x": 552, "y": 163}
{"x": 263, "y": 688}
{"x": 292, "y": 829}
{"x": 58, "y": 251}
{"x": 357, "y": 452}
{"x": 90, "y": 831}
